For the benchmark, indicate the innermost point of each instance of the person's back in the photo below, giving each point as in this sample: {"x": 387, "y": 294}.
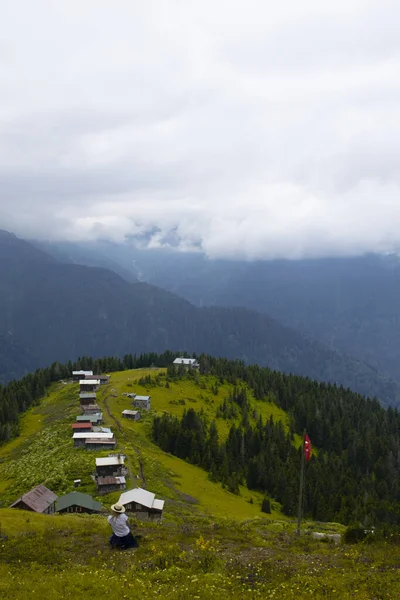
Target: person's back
{"x": 122, "y": 536}
{"x": 119, "y": 524}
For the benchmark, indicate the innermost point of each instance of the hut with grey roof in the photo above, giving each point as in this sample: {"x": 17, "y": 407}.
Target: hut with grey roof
{"x": 40, "y": 499}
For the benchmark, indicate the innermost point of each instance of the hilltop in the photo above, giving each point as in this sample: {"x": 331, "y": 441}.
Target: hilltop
{"x": 211, "y": 542}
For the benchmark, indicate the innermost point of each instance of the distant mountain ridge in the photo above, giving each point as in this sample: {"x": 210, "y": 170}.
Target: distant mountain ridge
{"x": 350, "y": 304}
{"x": 62, "y": 311}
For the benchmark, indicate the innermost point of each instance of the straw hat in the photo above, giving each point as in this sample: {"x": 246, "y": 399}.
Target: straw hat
{"x": 118, "y": 508}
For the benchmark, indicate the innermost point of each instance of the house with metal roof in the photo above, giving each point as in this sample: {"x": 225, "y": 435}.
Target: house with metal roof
{"x": 81, "y": 437}
{"x": 104, "y": 379}
{"x": 143, "y": 503}
{"x": 82, "y": 427}
{"x": 40, "y": 499}
{"x": 110, "y": 484}
{"x": 186, "y": 363}
{"x": 100, "y": 443}
{"x": 131, "y": 414}
{"x": 77, "y": 502}
{"x": 111, "y": 466}
{"x": 90, "y": 409}
{"x": 95, "y": 419}
{"x": 86, "y": 398}
{"x": 78, "y": 375}
{"x": 142, "y": 402}
{"x": 89, "y": 385}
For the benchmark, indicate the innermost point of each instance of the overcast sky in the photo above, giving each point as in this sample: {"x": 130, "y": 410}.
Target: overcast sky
{"x": 247, "y": 129}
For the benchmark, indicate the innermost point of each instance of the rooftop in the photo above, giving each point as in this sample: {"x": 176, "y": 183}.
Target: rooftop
{"x": 93, "y": 434}
{"x": 111, "y": 480}
{"x": 110, "y": 460}
{"x": 87, "y": 395}
{"x": 138, "y": 495}
{"x": 78, "y": 499}
{"x": 38, "y": 499}
{"x": 130, "y": 412}
{"x": 81, "y": 425}
{"x": 89, "y": 382}
{"x": 185, "y": 361}
{"x": 142, "y": 397}
{"x": 98, "y": 440}
{"x": 158, "y": 504}
{"x": 85, "y": 373}
{"x": 89, "y": 418}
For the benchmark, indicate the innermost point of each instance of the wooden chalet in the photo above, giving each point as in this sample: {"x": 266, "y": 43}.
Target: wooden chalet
{"x": 104, "y": 379}
{"x": 78, "y": 375}
{"x": 90, "y": 409}
{"x": 95, "y": 419}
{"x": 143, "y": 503}
{"x": 111, "y": 466}
{"x": 89, "y": 385}
{"x": 134, "y": 415}
{"x": 77, "y": 502}
{"x": 40, "y": 499}
{"x": 83, "y": 427}
{"x": 100, "y": 443}
{"x": 80, "y": 438}
{"x": 110, "y": 484}
{"x": 142, "y": 402}
{"x": 186, "y": 363}
{"x": 87, "y": 398}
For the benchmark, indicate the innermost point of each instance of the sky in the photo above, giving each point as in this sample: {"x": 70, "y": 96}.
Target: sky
{"x": 250, "y": 129}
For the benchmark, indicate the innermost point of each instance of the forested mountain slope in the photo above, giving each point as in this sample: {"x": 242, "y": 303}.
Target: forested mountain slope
{"x": 61, "y": 311}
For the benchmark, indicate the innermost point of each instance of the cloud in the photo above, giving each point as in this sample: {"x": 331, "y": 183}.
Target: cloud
{"x": 244, "y": 129}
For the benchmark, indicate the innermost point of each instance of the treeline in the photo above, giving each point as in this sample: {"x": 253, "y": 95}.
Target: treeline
{"x": 18, "y": 396}
{"x": 354, "y": 475}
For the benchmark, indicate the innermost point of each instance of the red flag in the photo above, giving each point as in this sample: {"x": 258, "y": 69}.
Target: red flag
{"x": 307, "y": 447}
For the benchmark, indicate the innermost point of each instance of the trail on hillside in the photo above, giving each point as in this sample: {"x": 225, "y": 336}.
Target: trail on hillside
{"x": 122, "y": 432}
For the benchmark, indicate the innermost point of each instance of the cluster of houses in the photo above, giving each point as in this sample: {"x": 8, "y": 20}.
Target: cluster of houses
{"x": 87, "y": 430}
{"x": 110, "y": 470}
{"x": 40, "y": 499}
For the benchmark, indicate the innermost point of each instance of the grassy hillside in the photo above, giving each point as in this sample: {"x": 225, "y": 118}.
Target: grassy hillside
{"x": 44, "y": 452}
{"x": 211, "y": 543}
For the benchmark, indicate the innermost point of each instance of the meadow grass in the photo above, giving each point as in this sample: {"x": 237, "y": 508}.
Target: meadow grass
{"x": 211, "y": 543}
{"x": 67, "y": 556}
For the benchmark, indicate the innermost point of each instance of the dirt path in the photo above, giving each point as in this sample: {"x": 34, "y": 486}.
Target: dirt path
{"x": 123, "y": 435}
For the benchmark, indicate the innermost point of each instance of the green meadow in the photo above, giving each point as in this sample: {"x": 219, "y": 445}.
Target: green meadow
{"x": 210, "y": 543}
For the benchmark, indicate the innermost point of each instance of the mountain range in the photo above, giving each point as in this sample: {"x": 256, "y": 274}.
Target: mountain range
{"x": 55, "y": 311}
{"x": 347, "y": 303}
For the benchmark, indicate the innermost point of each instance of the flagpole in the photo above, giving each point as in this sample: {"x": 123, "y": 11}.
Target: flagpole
{"x": 303, "y": 458}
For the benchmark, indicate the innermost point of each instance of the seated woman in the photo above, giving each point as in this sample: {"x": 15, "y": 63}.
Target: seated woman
{"x": 122, "y": 536}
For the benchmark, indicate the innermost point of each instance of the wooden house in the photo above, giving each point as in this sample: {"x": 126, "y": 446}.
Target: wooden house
{"x": 86, "y": 398}
{"x": 143, "y": 503}
{"x": 104, "y": 379}
{"x": 186, "y": 363}
{"x": 82, "y": 427}
{"x": 90, "y": 409}
{"x": 77, "y": 502}
{"x": 89, "y": 385}
{"x": 80, "y": 438}
{"x": 78, "y": 375}
{"x": 40, "y": 499}
{"x": 95, "y": 419}
{"x": 110, "y": 484}
{"x": 131, "y": 414}
{"x": 142, "y": 402}
{"x": 111, "y": 466}
{"x": 100, "y": 443}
